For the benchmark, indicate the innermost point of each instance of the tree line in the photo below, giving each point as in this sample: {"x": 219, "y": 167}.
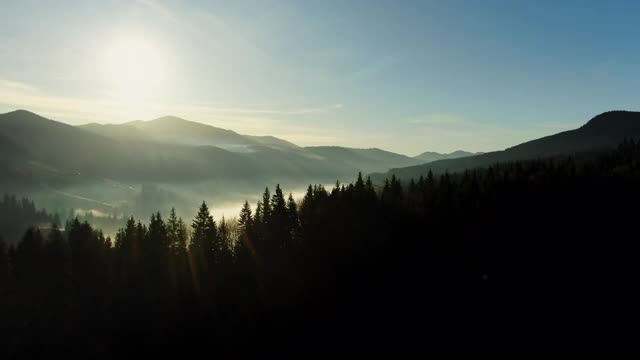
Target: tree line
{"x": 17, "y": 214}
{"x": 538, "y": 253}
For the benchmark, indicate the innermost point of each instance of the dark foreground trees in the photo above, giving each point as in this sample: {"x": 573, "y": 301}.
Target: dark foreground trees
{"x": 529, "y": 255}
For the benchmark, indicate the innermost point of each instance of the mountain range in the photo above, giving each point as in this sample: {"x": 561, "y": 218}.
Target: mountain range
{"x": 430, "y": 156}
{"x": 169, "y": 149}
{"x": 36, "y": 150}
{"x": 604, "y": 131}
{"x": 108, "y": 167}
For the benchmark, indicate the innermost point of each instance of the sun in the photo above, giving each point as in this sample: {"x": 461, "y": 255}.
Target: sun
{"x": 134, "y": 68}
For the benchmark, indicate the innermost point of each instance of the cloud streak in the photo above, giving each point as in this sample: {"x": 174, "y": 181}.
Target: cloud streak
{"x": 433, "y": 132}
{"x": 21, "y": 94}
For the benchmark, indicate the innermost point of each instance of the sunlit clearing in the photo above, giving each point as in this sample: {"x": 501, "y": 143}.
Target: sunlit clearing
{"x": 134, "y": 69}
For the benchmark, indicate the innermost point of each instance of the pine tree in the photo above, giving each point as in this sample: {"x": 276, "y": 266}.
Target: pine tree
{"x": 178, "y": 261}
{"x": 172, "y": 230}
{"x": 243, "y": 246}
{"x": 359, "y": 186}
{"x": 89, "y": 260}
{"x": 278, "y": 204}
{"x": 371, "y": 195}
{"x": 58, "y": 264}
{"x": 157, "y": 239}
{"x": 127, "y": 249}
{"x": 396, "y": 189}
{"x": 245, "y": 220}
{"x": 307, "y": 206}
{"x": 336, "y": 189}
{"x": 156, "y": 249}
{"x": 386, "y": 195}
{"x": 258, "y": 219}
{"x": 182, "y": 237}
{"x": 266, "y": 206}
{"x": 203, "y": 238}
{"x": 278, "y": 228}
{"x": 413, "y": 196}
{"x": 293, "y": 221}
{"x": 27, "y": 260}
{"x": 222, "y": 246}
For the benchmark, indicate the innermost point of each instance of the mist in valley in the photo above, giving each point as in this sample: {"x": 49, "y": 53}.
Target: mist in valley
{"x": 106, "y": 206}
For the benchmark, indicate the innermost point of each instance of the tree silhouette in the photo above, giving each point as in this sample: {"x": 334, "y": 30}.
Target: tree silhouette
{"x": 455, "y": 254}
{"x": 4, "y": 265}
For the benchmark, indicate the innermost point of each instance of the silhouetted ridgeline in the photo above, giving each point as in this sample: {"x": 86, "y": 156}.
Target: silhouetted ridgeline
{"x": 602, "y": 133}
{"x": 36, "y": 151}
{"x": 539, "y": 254}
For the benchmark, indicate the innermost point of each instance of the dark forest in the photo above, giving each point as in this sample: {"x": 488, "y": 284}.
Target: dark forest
{"x": 528, "y": 254}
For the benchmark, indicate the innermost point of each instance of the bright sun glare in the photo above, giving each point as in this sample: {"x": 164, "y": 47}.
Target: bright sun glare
{"x": 134, "y": 68}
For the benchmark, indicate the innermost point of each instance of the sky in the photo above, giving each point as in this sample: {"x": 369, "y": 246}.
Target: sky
{"x": 405, "y": 76}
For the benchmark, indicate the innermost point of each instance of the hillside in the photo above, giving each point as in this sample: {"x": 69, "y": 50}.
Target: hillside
{"x": 360, "y": 159}
{"x": 73, "y": 154}
{"x": 274, "y": 154}
{"x": 602, "y": 132}
{"x": 171, "y": 129}
{"x": 430, "y": 156}
{"x": 37, "y": 150}
{"x": 118, "y": 132}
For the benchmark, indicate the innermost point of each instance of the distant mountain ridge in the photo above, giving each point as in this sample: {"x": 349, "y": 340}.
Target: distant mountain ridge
{"x": 172, "y": 129}
{"x": 604, "y": 131}
{"x": 109, "y": 163}
{"x": 430, "y": 156}
{"x": 174, "y": 149}
{"x": 357, "y": 158}
{"x": 169, "y": 149}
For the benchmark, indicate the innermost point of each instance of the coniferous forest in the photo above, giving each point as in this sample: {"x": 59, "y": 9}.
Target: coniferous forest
{"x": 538, "y": 254}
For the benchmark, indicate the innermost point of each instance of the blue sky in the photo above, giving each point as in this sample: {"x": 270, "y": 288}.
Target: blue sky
{"x": 405, "y": 76}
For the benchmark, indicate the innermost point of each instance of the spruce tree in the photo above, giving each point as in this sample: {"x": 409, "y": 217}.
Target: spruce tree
{"x": 245, "y": 220}
{"x": 172, "y": 230}
{"x": 157, "y": 236}
{"x": 222, "y": 245}
{"x": 28, "y": 257}
{"x": 266, "y": 206}
{"x": 157, "y": 248}
{"x": 203, "y": 237}
{"x": 258, "y": 219}
{"x": 245, "y": 241}
{"x": 182, "y": 238}
{"x": 278, "y": 228}
{"x": 58, "y": 264}
{"x": 359, "y": 185}
{"x": 293, "y": 221}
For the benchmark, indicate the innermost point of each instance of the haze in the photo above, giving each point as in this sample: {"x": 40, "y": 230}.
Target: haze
{"x": 213, "y": 176}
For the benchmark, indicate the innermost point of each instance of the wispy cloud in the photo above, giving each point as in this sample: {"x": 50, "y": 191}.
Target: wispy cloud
{"x": 434, "y": 132}
{"x": 257, "y": 121}
{"x": 14, "y": 85}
